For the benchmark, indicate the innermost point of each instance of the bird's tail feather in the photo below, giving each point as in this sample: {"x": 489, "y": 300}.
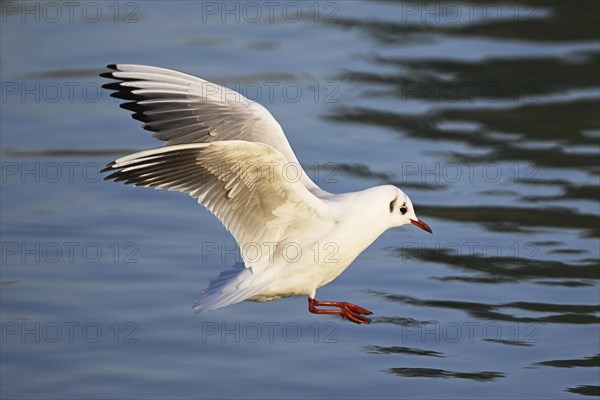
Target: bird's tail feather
{"x": 231, "y": 286}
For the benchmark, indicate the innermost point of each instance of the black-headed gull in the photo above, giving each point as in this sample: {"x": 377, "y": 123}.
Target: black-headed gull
{"x": 230, "y": 154}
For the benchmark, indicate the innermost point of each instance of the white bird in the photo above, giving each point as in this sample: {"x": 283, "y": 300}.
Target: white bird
{"x": 230, "y": 154}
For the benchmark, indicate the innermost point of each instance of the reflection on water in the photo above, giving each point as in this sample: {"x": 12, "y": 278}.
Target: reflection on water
{"x": 504, "y": 295}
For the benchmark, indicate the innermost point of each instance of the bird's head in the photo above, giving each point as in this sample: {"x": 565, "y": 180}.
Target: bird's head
{"x": 401, "y": 210}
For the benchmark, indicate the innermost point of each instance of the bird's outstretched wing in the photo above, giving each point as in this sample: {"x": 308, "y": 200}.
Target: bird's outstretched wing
{"x": 246, "y": 185}
{"x": 182, "y": 109}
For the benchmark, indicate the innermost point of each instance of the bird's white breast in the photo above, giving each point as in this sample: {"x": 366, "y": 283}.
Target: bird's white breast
{"x": 317, "y": 252}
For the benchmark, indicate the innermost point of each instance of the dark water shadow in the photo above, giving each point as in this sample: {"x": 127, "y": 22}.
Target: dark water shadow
{"x": 506, "y": 269}
{"x": 518, "y": 80}
{"x": 549, "y": 21}
{"x": 517, "y": 219}
{"x": 402, "y": 321}
{"x": 592, "y": 361}
{"x": 529, "y": 121}
{"x": 402, "y": 350}
{"x": 481, "y": 376}
{"x": 579, "y": 314}
{"x": 586, "y": 390}
{"x": 570, "y": 191}
{"x": 509, "y": 342}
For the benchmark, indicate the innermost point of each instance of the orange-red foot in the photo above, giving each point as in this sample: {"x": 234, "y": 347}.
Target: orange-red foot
{"x": 349, "y": 311}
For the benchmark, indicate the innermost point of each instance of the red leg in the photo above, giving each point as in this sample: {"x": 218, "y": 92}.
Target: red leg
{"x": 349, "y": 311}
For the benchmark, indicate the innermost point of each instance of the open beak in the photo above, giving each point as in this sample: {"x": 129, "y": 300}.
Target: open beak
{"x": 421, "y": 225}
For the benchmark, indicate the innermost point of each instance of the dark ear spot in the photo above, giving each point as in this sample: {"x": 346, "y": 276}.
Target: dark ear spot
{"x": 392, "y": 204}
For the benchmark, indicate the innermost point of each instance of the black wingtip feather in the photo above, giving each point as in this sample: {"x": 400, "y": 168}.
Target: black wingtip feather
{"x": 125, "y": 95}
{"x": 109, "y": 167}
{"x": 113, "y": 177}
{"x": 112, "y": 85}
{"x": 108, "y": 75}
{"x": 112, "y": 66}
{"x": 132, "y": 106}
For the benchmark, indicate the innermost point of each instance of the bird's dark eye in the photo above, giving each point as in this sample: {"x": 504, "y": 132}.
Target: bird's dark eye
{"x": 403, "y": 210}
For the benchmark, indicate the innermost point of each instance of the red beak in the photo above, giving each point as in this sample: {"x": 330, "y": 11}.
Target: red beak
{"x": 421, "y": 225}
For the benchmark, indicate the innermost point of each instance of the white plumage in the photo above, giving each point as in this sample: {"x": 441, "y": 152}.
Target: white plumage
{"x": 232, "y": 156}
